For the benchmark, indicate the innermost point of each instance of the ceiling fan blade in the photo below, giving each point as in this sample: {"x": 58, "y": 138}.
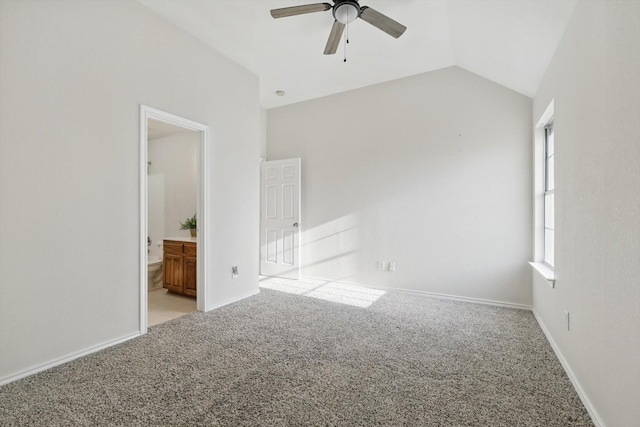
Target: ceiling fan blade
{"x": 299, "y": 10}
{"x": 334, "y": 38}
{"x": 383, "y": 22}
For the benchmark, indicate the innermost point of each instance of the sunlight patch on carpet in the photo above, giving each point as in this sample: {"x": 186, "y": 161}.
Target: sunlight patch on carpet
{"x": 343, "y": 293}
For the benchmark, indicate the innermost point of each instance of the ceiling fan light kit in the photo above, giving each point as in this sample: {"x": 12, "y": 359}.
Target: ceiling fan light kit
{"x": 344, "y": 12}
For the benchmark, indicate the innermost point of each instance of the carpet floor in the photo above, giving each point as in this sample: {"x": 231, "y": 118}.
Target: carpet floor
{"x": 278, "y": 359}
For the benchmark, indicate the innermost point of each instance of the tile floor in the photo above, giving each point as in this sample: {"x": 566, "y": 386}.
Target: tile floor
{"x": 164, "y": 306}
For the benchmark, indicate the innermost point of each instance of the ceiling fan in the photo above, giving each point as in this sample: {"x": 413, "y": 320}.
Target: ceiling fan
{"x": 344, "y": 12}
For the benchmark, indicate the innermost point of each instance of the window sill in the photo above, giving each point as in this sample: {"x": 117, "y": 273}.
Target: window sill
{"x": 546, "y": 272}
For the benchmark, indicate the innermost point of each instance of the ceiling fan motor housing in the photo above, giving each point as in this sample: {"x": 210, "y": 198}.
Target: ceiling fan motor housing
{"x": 346, "y": 11}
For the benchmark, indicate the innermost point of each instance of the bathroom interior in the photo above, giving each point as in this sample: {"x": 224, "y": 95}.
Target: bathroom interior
{"x": 172, "y": 174}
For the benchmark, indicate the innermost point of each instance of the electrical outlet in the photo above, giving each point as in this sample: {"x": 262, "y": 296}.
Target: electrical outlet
{"x": 234, "y": 272}
{"x": 380, "y": 266}
{"x": 567, "y": 319}
{"x": 392, "y": 266}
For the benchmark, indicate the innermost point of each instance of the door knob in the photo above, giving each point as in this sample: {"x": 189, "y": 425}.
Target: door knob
{"x": 295, "y": 224}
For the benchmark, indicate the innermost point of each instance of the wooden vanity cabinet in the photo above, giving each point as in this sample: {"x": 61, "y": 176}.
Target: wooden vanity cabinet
{"x": 189, "y": 266}
{"x": 179, "y": 266}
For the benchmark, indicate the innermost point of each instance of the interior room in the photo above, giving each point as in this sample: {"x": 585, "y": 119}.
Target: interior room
{"x": 172, "y": 200}
{"x": 463, "y": 216}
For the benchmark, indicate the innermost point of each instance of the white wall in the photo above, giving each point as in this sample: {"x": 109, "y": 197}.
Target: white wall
{"x": 172, "y": 186}
{"x": 432, "y": 172}
{"x": 594, "y": 80}
{"x": 73, "y": 75}
{"x": 263, "y": 127}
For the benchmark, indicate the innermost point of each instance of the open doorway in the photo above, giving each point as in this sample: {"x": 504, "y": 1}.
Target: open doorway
{"x": 172, "y": 216}
{"x": 172, "y": 200}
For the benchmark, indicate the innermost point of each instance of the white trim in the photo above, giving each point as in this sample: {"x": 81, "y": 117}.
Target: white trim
{"x": 469, "y": 299}
{"x": 464, "y": 299}
{"x": 143, "y": 221}
{"x": 547, "y": 115}
{"x": 65, "y": 359}
{"x": 147, "y": 113}
{"x": 597, "y": 421}
{"x": 436, "y": 295}
{"x": 546, "y": 272}
{"x": 538, "y": 182}
{"x": 234, "y": 299}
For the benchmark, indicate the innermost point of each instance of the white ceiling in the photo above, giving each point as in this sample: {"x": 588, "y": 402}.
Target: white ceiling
{"x": 510, "y": 42}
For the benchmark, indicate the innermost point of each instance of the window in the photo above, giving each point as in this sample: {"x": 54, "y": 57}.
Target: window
{"x": 549, "y": 185}
{"x": 544, "y": 203}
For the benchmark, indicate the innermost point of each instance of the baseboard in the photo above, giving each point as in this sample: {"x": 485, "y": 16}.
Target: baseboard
{"x": 234, "y": 299}
{"x": 597, "y": 421}
{"x": 65, "y": 359}
{"x": 103, "y": 346}
{"x": 436, "y": 295}
{"x": 466, "y": 299}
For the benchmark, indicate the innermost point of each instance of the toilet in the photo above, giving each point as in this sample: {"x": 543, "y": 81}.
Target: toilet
{"x": 154, "y": 273}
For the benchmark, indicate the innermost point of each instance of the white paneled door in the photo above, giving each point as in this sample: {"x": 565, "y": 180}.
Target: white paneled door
{"x": 280, "y": 218}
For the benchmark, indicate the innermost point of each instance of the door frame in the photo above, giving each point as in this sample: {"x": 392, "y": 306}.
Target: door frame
{"x": 147, "y": 113}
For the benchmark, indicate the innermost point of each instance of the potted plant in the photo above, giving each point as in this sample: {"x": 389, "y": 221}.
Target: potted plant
{"x": 190, "y": 224}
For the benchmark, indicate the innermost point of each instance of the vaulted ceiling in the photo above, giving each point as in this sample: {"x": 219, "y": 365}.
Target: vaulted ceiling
{"x": 509, "y": 42}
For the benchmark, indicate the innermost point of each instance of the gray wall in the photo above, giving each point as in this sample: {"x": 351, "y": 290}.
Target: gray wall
{"x": 432, "y": 172}
{"x": 594, "y": 82}
{"x": 73, "y": 76}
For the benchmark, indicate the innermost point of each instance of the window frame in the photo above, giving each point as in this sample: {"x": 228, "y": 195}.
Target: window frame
{"x": 540, "y": 148}
{"x": 548, "y": 195}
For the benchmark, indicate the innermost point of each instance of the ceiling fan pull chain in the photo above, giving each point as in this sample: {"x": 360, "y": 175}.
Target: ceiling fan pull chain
{"x": 346, "y": 40}
{"x": 347, "y": 32}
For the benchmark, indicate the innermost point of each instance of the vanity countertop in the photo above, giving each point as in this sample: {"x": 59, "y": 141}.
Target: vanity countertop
{"x": 182, "y": 239}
